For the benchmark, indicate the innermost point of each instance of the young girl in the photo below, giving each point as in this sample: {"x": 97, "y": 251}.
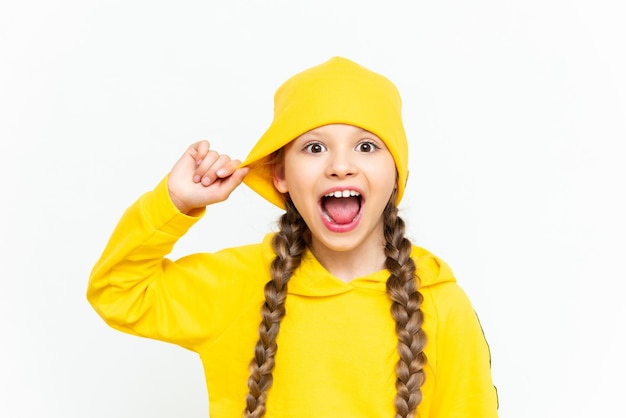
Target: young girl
{"x": 335, "y": 315}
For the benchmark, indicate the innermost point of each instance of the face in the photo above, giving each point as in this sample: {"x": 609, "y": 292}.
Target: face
{"x": 340, "y": 178}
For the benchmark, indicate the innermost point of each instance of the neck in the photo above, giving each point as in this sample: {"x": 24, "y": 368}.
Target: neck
{"x": 351, "y": 264}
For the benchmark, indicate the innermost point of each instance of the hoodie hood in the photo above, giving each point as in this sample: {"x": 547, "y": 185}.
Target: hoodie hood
{"x": 313, "y": 280}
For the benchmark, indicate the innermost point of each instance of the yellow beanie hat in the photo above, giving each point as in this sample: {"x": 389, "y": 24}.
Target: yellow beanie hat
{"x": 336, "y": 91}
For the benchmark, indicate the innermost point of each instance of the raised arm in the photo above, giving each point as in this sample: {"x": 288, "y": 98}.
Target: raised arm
{"x": 134, "y": 287}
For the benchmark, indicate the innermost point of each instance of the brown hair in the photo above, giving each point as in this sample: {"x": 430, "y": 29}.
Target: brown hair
{"x": 289, "y": 244}
{"x": 402, "y": 287}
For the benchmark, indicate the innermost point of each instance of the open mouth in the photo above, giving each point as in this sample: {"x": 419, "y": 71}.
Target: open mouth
{"x": 341, "y": 207}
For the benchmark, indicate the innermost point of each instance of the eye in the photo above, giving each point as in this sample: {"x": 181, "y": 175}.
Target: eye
{"x": 314, "y": 148}
{"x": 366, "y": 146}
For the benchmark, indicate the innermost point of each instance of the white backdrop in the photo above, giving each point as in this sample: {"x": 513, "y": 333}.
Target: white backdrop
{"x": 516, "y": 116}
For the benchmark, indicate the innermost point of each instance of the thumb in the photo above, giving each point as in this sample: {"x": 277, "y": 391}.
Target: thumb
{"x": 226, "y": 185}
{"x": 236, "y": 178}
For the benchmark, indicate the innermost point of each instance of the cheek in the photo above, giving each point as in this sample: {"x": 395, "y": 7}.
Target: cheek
{"x": 386, "y": 175}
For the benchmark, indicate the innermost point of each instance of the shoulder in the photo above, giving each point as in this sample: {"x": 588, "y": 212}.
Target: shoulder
{"x": 431, "y": 270}
{"x": 231, "y": 263}
{"x": 444, "y": 298}
{"x": 253, "y": 255}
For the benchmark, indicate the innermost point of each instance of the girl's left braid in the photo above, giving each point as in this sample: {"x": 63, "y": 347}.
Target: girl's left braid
{"x": 402, "y": 288}
{"x": 289, "y": 244}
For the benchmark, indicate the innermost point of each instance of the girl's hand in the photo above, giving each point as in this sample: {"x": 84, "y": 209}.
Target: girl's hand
{"x": 202, "y": 177}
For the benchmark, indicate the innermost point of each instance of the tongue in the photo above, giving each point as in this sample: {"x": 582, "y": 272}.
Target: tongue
{"x": 341, "y": 210}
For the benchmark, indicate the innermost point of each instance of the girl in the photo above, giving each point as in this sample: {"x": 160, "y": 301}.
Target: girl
{"x": 335, "y": 315}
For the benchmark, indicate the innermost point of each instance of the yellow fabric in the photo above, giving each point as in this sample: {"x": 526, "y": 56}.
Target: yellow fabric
{"x": 337, "y": 345}
{"x": 337, "y": 91}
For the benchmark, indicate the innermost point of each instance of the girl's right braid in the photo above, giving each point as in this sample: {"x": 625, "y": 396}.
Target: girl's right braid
{"x": 405, "y": 309}
{"x": 289, "y": 244}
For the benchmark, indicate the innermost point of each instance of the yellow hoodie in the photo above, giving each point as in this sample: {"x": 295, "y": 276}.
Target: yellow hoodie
{"x": 337, "y": 344}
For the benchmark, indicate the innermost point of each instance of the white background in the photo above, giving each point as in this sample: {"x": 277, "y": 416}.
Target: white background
{"x": 516, "y": 117}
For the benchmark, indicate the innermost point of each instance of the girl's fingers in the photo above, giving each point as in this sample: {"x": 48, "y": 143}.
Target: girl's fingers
{"x": 199, "y": 150}
{"x": 228, "y": 169}
{"x": 208, "y": 165}
{"x": 202, "y": 177}
{"x": 230, "y": 183}
{"x": 203, "y": 171}
{"x": 207, "y": 171}
{"x": 236, "y": 177}
{"x": 215, "y": 167}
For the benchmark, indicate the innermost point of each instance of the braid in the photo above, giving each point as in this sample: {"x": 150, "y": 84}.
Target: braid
{"x": 405, "y": 309}
{"x": 289, "y": 243}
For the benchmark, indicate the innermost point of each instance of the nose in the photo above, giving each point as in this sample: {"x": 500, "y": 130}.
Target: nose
{"x": 341, "y": 165}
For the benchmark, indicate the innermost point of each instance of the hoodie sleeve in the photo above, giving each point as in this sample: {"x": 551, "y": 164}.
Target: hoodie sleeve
{"x": 463, "y": 384}
{"x": 459, "y": 384}
{"x": 137, "y": 290}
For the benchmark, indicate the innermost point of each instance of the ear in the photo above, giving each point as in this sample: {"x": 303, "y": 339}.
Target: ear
{"x": 278, "y": 178}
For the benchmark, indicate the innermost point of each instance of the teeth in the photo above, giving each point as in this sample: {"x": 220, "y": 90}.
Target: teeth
{"x": 343, "y": 193}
